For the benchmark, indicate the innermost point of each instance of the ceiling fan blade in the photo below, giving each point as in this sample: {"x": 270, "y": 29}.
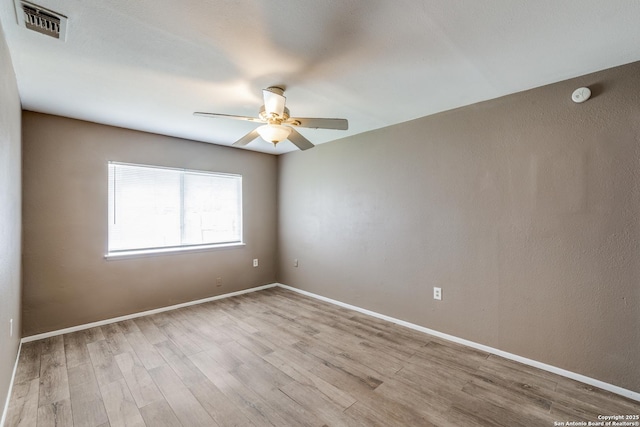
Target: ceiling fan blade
{"x": 228, "y": 116}
{"x": 273, "y": 101}
{"x": 299, "y": 141}
{"x": 246, "y": 139}
{"x": 310, "y": 122}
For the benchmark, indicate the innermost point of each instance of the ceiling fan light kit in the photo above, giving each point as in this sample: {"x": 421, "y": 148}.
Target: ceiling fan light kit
{"x": 274, "y": 133}
{"x": 278, "y": 125}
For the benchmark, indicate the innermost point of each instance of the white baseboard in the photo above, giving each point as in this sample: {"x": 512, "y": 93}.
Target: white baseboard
{"x": 13, "y": 377}
{"x": 559, "y": 371}
{"x": 140, "y": 314}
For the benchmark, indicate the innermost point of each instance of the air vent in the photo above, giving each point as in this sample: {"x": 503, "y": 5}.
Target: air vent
{"x": 41, "y": 20}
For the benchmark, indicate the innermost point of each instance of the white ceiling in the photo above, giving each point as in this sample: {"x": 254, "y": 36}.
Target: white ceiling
{"x": 149, "y": 64}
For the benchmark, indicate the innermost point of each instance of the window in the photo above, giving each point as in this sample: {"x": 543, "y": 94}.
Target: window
{"x": 154, "y": 209}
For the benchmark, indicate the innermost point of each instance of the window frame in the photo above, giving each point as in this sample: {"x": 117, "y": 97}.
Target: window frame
{"x": 126, "y": 253}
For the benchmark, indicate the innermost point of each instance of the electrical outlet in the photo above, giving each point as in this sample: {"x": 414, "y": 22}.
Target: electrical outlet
{"x": 437, "y": 293}
{"x": 11, "y": 328}
{"x": 218, "y": 282}
{"x": 295, "y": 262}
{"x": 255, "y": 262}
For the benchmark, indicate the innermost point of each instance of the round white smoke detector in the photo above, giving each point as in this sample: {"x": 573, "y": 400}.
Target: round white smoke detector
{"x": 581, "y": 94}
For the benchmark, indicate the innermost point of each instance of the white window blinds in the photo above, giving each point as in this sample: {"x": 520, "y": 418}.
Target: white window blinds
{"x": 153, "y": 207}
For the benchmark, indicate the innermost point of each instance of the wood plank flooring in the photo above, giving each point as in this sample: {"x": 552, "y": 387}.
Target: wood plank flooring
{"x": 275, "y": 357}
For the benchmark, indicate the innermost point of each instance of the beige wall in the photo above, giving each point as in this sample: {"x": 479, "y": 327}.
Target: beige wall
{"x": 10, "y": 206}
{"x": 67, "y": 280}
{"x": 524, "y": 209}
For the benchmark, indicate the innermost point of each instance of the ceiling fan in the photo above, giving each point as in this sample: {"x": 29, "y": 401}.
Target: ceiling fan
{"x": 278, "y": 124}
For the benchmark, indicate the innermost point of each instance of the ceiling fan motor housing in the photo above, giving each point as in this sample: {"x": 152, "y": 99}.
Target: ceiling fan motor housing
{"x": 273, "y": 118}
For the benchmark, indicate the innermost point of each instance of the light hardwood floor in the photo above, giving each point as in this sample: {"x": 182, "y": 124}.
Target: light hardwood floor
{"x": 275, "y": 357}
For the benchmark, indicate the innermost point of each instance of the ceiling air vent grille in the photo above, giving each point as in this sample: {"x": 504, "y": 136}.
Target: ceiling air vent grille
{"x": 44, "y": 21}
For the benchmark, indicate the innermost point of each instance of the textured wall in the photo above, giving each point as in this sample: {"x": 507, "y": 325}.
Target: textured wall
{"x": 524, "y": 209}
{"x": 10, "y": 237}
{"x": 67, "y": 280}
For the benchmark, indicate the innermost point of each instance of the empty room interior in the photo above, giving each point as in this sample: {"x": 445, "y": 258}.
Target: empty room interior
{"x": 255, "y": 213}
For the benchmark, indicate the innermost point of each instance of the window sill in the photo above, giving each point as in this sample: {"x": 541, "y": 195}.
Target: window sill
{"x": 167, "y": 251}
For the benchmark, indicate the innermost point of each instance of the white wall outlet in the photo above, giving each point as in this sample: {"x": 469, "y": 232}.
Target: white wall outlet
{"x": 295, "y": 262}
{"x": 218, "y": 282}
{"x": 437, "y": 293}
{"x": 11, "y": 328}
{"x": 255, "y": 262}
